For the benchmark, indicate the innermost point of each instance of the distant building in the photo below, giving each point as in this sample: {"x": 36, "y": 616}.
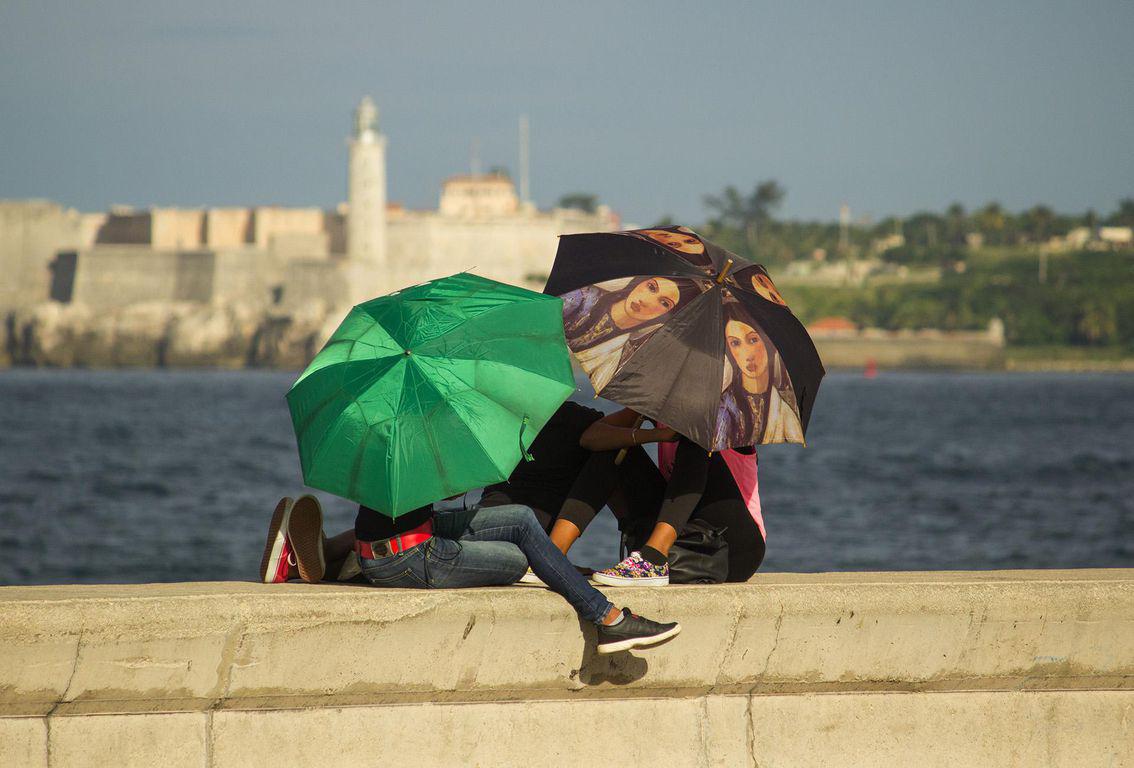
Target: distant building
{"x": 833, "y": 326}
{"x": 1078, "y": 237}
{"x": 1121, "y": 236}
{"x": 268, "y": 257}
{"x": 888, "y": 243}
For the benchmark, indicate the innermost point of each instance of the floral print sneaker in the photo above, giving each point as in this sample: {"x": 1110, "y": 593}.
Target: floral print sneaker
{"x": 634, "y": 571}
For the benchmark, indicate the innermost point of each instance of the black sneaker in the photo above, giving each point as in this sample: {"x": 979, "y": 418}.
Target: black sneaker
{"x": 633, "y": 632}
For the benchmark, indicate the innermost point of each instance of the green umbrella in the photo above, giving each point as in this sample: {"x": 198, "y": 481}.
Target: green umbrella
{"x": 430, "y": 391}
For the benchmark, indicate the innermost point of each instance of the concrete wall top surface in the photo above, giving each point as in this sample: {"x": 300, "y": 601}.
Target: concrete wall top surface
{"x": 194, "y": 647}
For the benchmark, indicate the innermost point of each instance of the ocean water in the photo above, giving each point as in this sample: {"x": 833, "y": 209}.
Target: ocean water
{"x": 142, "y": 476}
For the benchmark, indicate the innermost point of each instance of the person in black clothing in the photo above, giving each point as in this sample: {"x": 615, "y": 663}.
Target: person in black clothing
{"x": 578, "y": 440}
{"x": 700, "y": 486}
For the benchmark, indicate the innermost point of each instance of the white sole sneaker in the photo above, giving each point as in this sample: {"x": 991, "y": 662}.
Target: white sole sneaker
{"x": 638, "y": 642}
{"x": 619, "y": 581}
{"x": 529, "y": 577}
{"x": 271, "y": 569}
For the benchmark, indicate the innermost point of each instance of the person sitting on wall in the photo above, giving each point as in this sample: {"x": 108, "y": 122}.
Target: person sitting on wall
{"x": 446, "y": 546}
{"x": 576, "y": 441}
{"x": 575, "y": 437}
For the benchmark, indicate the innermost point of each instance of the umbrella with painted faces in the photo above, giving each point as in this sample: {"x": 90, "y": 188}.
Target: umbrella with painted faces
{"x": 687, "y": 333}
{"x": 430, "y": 391}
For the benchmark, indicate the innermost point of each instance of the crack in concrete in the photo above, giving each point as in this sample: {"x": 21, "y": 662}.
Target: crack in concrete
{"x": 209, "y": 739}
{"x": 704, "y": 718}
{"x": 233, "y": 644}
{"x": 750, "y": 729}
{"x": 727, "y": 655}
{"x": 50, "y": 716}
{"x": 775, "y": 642}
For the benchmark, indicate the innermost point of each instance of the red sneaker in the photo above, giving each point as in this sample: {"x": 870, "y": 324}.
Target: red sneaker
{"x": 278, "y": 555}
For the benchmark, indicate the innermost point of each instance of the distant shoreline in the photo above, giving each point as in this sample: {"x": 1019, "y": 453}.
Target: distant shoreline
{"x": 1044, "y": 365}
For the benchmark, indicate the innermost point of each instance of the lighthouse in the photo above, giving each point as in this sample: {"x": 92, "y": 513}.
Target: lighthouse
{"x": 366, "y": 204}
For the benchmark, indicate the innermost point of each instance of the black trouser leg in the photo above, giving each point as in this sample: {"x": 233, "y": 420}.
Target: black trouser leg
{"x": 640, "y": 490}
{"x": 722, "y": 506}
{"x": 635, "y": 486}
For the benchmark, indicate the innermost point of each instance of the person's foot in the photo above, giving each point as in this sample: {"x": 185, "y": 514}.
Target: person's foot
{"x": 278, "y": 557}
{"x": 634, "y": 571}
{"x": 305, "y": 534}
{"x": 633, "y": 631}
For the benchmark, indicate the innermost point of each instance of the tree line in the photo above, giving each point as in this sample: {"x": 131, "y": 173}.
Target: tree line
{"x": 746, "y": 223}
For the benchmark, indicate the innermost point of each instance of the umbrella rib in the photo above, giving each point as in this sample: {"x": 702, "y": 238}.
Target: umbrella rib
{"x": 477, "y": 317}
{"x": 445, "y": 402}
{"x": 323, "y": 443}
{"x": 487, "y": 396}
{"x": 458, "y": 356}
{"x": 340, "y": 391}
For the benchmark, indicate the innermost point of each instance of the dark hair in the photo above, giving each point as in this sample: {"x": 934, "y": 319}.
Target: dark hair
{"x": 776, "y": 374}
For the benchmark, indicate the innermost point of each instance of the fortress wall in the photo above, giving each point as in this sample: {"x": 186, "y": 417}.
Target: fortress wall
{"x": 334, "y": 224}
{"x": 999, "y": 668}
{"x": 300, "y": 245}
{"x": 90, "y": 224}
{"x": 268, "y": 222}
{"x": 31, "y": 234}
{"x": 177, "y": 228}
{"x": 228, "y": 227}
{"x": 110, "y": 276}
{"x": 195, "y": 277}
{"x": 315, "y": 285}
{"x": 245, "y": 276}
{"x": 515, "y": 249}
{"x": 126, "y": 228}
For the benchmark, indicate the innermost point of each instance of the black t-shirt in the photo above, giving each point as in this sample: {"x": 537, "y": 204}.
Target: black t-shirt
{"x": 544, "y": 482}
{"x": 371, "y": 525}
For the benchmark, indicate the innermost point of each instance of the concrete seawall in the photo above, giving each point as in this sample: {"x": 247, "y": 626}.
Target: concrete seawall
{"x": 1007, "y": 668}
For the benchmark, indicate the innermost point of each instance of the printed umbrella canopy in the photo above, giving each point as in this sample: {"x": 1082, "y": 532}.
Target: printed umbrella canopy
{"x": 687, "y": 333}
{"x": 430, "y": 391}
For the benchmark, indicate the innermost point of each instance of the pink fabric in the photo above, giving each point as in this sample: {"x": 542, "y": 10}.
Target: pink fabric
{"x": 743, "y": 469}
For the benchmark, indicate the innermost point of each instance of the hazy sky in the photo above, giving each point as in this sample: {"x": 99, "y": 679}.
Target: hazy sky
{"x": 889, "y": 106}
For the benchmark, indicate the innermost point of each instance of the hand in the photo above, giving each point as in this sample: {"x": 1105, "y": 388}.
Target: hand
{"x": 666, "y": 435}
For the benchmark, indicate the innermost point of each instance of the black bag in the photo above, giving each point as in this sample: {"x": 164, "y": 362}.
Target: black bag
{"x": 698, "y": 556}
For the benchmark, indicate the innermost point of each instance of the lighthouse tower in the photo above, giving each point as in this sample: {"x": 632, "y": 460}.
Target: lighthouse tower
{"x": 366, "y": 204}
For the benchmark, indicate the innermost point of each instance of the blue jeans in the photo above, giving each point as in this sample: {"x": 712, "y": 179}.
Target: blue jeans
{"x": 486, "y": 547}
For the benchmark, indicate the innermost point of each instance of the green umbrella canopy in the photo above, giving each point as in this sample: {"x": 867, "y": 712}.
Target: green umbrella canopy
{"x": 430, "y": 391}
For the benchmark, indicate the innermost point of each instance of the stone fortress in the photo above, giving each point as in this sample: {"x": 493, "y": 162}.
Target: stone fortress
{"x": 232, "y": 287}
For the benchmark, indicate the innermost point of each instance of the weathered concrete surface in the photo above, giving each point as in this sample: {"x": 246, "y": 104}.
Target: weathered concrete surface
{"x": 993, "y": 668}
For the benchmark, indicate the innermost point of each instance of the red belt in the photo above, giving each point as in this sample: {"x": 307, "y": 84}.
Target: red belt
{"x": 372, "y": 550}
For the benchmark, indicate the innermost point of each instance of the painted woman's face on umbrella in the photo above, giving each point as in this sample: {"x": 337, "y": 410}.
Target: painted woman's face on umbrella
{"x": 651, "y": 299}
{"x": 607, "y": 322}
{"x": 764, "y": 286}
{"x": 748, "y": 354}
{"x": 757, "y": 401}
{"x": 678, "y": 241}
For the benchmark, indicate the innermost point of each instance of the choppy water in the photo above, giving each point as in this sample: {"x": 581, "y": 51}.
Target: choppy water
{"x": 165, "y": 476}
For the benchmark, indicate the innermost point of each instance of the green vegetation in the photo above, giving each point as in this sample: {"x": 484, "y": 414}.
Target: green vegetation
{"x": 1088, "y": 300}
{"x": 579, "y": 201}
{"x": 990, "y": 261}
